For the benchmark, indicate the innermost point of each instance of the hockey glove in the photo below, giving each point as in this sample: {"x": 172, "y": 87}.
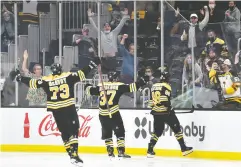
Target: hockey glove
{"x": 87, "y": 85}
{"x": 146, "y": 78}
{"x": 95, "y": 62}
{"x": 143, "y": 80}
{"x": 15, "y": 74}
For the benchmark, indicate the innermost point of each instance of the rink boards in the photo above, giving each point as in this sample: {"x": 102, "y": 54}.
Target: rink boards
{"x": 213, "y": 134}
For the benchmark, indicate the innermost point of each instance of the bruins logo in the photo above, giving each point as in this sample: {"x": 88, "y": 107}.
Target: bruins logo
{"x": 40, "y": 82}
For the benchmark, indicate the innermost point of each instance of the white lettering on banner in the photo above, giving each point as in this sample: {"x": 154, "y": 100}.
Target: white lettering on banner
{"x": 48, "y": 126}
{"x": 188, "y": 130}
{"x": 192, "y": 130}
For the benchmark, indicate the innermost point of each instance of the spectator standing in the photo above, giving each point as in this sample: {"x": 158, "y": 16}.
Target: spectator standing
{"x": 194, "y": 33}
{"x": 127, "y": 70}
{"x": 215, "y": 17}
{"x": 36, "y": 97}
{"x": 217, "y": 44}
{"x": 232, "y": 26}
{"x": 187, "y": 72}
{"x": 85, "y": 46}
{"x": 7, "y": 30}
{"x": 109, "y": 41}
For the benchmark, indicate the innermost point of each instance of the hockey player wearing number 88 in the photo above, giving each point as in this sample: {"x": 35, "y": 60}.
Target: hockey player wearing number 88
{"x": 114, "y": 90}
{"x": 163, "y": 112}
{"x": 59, "y": 87}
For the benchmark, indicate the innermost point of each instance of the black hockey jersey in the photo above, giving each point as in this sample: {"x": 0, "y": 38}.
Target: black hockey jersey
{"x": 59, "y": 88}
{"x": 114, "y": 90}
{"x": 161, "y": 98}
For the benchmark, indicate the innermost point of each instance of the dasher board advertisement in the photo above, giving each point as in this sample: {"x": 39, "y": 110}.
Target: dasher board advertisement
{"x": 210, "y": 133}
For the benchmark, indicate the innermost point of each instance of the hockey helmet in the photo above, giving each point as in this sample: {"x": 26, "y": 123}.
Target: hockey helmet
{"x": 56, "y": 69}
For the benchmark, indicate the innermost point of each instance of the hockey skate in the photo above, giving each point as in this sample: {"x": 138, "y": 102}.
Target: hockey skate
{"x": 150, "y": 152}
{"x": 187, "y": 150}
{"x": 120, "y": 156}
{"x": 121, "y": 153}
{"x": 77, "y": 161}
{"x": 110, "y": 151}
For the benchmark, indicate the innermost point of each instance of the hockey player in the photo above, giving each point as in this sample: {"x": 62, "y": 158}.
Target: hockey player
{"x": 163, "y": 112}
{"x": 59, "y": 88}
{"x": 114, "y": 90}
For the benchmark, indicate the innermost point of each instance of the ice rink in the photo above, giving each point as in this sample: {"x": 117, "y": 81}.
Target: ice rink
{"x": 61, "y": 159}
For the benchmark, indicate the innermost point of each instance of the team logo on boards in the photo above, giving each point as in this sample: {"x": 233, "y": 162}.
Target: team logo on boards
{"x": 140, "y": 131}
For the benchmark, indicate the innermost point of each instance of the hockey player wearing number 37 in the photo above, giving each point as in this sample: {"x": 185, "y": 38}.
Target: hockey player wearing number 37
{"x": 163, "y": 112}
{"x": 59, "y": 88}
{"x": 110, "y": 118}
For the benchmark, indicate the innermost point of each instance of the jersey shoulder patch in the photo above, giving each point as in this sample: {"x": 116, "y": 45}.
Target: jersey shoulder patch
{"x": 74, "y": 74}
{"x": 40, "y": 81}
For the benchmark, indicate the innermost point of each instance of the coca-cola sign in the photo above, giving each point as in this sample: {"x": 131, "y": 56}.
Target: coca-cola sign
{"x": 48, "y": 126}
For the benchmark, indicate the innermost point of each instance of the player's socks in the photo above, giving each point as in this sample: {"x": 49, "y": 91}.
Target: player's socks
{"x": 121, "y": 148}
{"x": 185, "y": 150}
{"x": 151, "y": 145}
{"x": 109, "y": 146}
{"x": 150, "y": 151}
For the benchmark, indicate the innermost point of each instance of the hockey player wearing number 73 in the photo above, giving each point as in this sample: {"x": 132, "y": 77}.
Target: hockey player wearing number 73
{"x": 59, "y": 87}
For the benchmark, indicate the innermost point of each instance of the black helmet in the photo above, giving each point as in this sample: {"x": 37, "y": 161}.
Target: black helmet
{"x": 56, "y": 69}
{"x": 112, "y": 75}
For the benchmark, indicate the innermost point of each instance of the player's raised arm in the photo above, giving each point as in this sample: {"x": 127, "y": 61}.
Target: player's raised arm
{"x": 80, "y": 75}
{"x": 133, "y": 87}
{"x": 31, "y": 83}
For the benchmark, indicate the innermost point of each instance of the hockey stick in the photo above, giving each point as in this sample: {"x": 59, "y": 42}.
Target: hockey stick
{"x": 187, "y": 112}
{"x": 101, "y": 80}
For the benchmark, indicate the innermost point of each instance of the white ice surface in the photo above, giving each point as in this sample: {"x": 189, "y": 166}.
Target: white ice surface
{"x": 96, "y": 160}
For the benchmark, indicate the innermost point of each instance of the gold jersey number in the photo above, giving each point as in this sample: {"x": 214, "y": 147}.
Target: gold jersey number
{"x": 156, "y": 97}
{"x": 63, "y": 89}
{"x": 110, "y": 93}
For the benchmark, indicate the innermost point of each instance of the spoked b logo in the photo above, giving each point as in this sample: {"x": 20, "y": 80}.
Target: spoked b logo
{"x": 140, "y": 131}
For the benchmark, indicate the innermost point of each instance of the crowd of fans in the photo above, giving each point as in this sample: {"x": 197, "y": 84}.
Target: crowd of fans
{"x": 210, "y": 30}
